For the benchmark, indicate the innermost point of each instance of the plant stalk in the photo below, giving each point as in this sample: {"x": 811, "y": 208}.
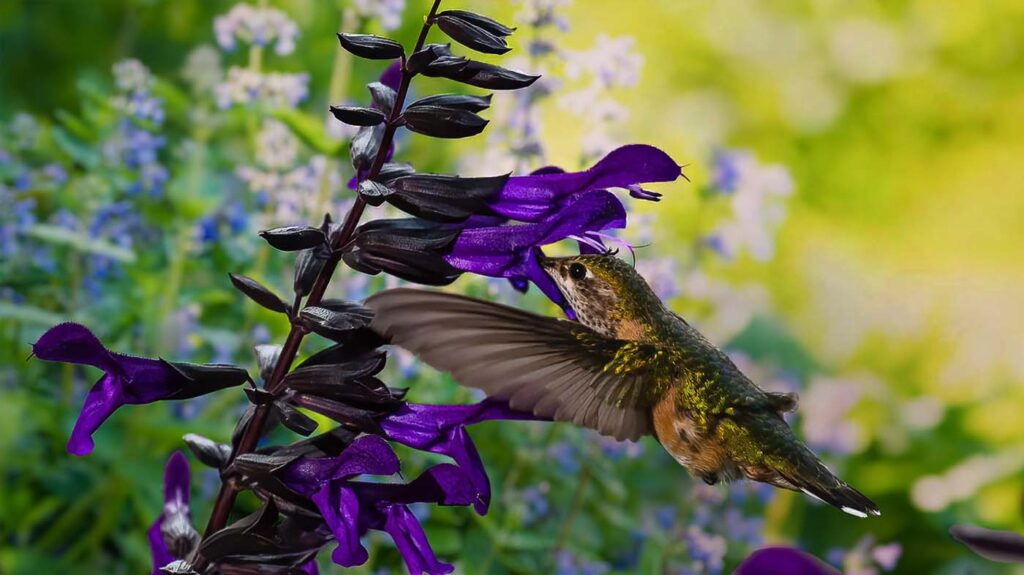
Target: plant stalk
{"x": 254, "y": 430}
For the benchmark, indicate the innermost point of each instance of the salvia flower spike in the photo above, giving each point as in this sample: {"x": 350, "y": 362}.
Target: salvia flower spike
{"x": 324, "y": 488}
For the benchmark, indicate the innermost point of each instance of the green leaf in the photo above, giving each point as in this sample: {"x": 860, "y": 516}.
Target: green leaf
{"x": 445, "y": 540}
{"x": 527, "y": 542}
{"x": 74, "y": 125}
{"x": 174, "y": 98}
{"x": 79, "y": 152}
{"x": 28, "y": 314}
{"x": 310, "y": 130}
{"x": 81, "y": 242}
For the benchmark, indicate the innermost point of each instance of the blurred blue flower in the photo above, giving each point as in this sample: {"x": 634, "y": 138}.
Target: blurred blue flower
{"x": 257, "y": 25}
{"x": 387, "y": 13}
{"x": 618, "y": 450}
{"x": 706, "y": 549}
{"x": 55, "y": 173}
{"x": 566, "y": 455}
{"x": 743, "y": 529}
{"x": 135, "y": 146}
{"x": 534, "y": 500}
{"x": 726, "y": 172}
{"x": 757, "y": 194}
{"x": 566, "y": 563}
{"x": 23, "y": 181}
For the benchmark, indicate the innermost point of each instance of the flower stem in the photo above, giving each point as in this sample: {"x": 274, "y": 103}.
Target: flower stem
{"x": 254, "y": 430}
{"x": 577, "y": 504}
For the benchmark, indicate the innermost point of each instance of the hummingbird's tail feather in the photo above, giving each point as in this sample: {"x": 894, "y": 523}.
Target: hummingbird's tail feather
{"x": 807, "y": 473}
{"x": 839, "y": 494}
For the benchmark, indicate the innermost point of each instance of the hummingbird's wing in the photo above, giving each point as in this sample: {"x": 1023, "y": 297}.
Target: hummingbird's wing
{"x": 554, "y": 368}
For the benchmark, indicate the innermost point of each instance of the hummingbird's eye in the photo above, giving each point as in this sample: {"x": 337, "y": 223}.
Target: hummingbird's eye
{"x": 577, "y": 271}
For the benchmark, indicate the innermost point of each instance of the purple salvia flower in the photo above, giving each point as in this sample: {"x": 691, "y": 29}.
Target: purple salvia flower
{"x": 324, "y": 480}
{"x": 555, "y": 205}
{"x": 442, "y": 429}
{"x": 783, "y": 561}
{"x": 350, "y": 508}
{"x": 540, "y": 195}
{"x": 126, "y": 379}
{"x": 384, "y": 507}
{"x": 490, "y": 247}
{"x": 177, "y": 479}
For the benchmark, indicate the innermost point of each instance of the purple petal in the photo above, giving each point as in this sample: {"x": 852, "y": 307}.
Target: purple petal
{"x": 392, "y": 75}
{"x": 157, "y": 547}
{"x": 311, "y": 567}
{"x": 501, "y": 250}
{"x": 103, "y": 399}
{"x": 443, "y": 484}
{"x": 532, "y": 198}
{"x": 74, "y": 343}
{"x": 412, "y": 542}
{"x": 177, "y": 478}
{"x": 535, "y": 273}
{"x": 783, "y": 561}
{"x": 441, "y": 429}
{"x": 340, "y": 508}
{"x": 369, "y": 454}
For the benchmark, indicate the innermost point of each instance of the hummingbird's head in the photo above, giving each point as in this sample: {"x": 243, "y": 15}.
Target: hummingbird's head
{"x": 606, "y": 293}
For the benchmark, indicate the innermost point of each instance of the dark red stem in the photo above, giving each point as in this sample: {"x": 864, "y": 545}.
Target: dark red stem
{"x": 228, "y": 492}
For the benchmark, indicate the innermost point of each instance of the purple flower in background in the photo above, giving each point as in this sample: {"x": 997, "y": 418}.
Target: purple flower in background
{"x": 783, "y": 561}
{"x": 726, "y": 172}
{"x": 126, "y": 379}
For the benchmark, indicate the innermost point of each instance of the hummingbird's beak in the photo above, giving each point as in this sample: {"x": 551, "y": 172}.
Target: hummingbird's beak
{"x": 546, "y": 263}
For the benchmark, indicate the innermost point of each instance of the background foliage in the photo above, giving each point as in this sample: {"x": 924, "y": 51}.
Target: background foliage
{"x": 852, "y": 231}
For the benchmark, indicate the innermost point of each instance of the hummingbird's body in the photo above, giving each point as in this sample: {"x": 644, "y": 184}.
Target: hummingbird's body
{"x": 630, "y": 367}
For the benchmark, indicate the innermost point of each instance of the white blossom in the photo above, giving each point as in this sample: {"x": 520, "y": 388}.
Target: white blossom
{"x": 757, "y": 195}
{"x": 202, "y": 69}
{"x": 131, "y": 75}
{"x": 276, "y": 147}
{"x": 387, "y": 13}
{"x": 244, "y": 87}
{"x": 256, "y": 25}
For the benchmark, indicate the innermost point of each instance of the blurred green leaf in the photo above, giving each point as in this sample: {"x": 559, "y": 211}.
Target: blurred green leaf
{"x": 81, "y": 242}
{"x": 75, "y": 125}
{"x": 310, "y": 130}
{"x": 29, "y": 314}
{"x": 79, "y": 152}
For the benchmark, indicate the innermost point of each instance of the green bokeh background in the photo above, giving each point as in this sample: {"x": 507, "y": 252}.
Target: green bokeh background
{"x": 901, "y": 122}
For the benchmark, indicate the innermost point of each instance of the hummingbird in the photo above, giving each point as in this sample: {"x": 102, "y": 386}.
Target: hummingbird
{"x": 629, "y": 367}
